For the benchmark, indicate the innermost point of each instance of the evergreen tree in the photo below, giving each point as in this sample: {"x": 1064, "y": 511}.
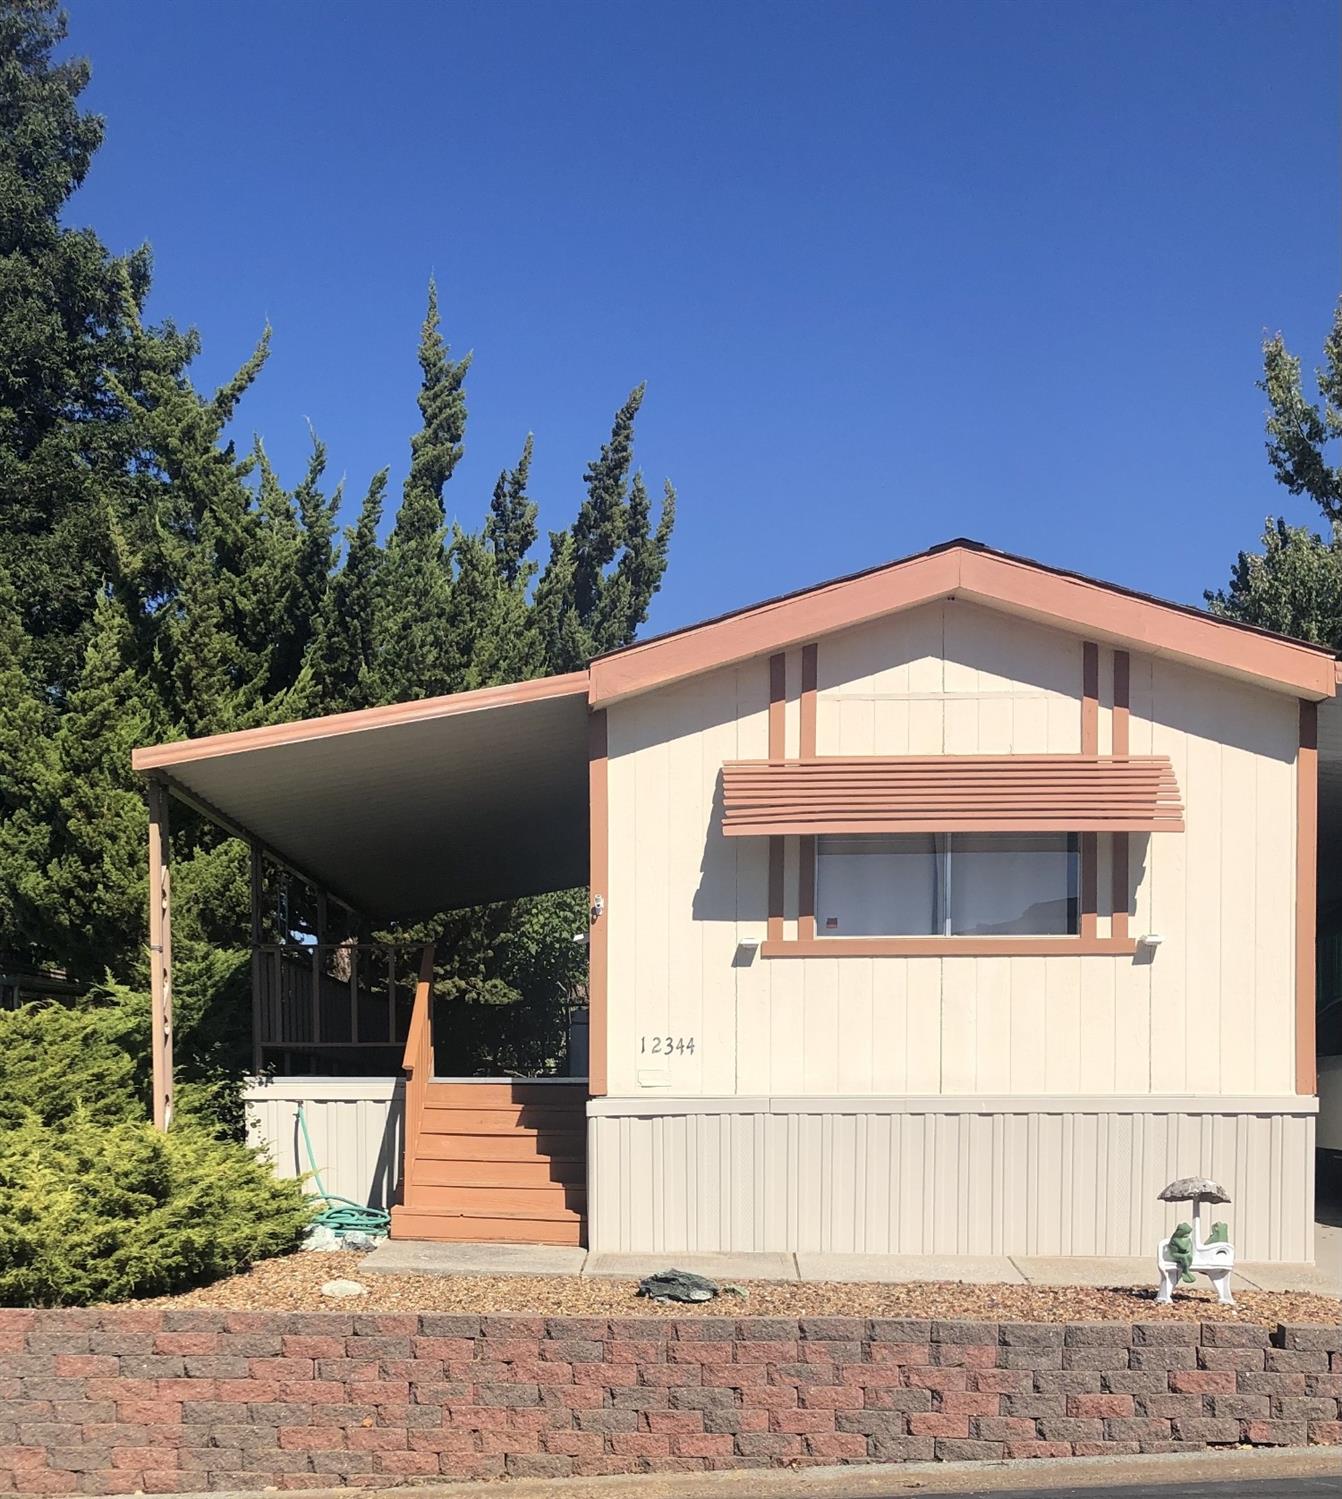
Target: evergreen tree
{"x": 92, "y": 889}
{"x": 511, "y": 528}
{"x": 316, "y": 556}
{"x": 25, "y": 780}
{"x": 224, "y": 557}
{"x": 65, "y": 348}
{"x": 603, "y": 572}
{"x": 344, "y": 650}
{"x": 1300, "y": 430}
{"x": 1294, "y": 585}
{"x": 414, "y": 655}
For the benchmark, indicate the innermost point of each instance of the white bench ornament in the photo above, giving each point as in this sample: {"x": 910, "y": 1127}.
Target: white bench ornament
{"x": 1184, "y": 1252}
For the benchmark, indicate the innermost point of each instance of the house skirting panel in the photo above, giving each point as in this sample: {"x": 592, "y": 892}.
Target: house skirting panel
{"x": 1038, "y": 1176}
{"x": 357, "y": 1127}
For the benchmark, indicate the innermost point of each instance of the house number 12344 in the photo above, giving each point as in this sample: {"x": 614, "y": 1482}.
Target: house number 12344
{"x": 665, "y": 1046}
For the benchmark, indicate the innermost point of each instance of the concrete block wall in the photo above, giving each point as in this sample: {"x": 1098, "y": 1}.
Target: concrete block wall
{"x": 184, "y": 1400}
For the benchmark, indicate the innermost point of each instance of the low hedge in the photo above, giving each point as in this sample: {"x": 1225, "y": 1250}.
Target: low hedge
{"x": 96, "y": 1205}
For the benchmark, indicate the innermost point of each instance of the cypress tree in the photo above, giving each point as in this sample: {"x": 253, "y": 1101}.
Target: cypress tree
{"x": 603, "y": 572}
{"x": 65, "y": 349}
{"x": 92, "y": 888}
{"x": 511, "y": 528}
{"x": 316, "y": 548}
{"x": 414, "y": 656}
{"x": 344, "y": 650}
{"x": 25, "y": 781}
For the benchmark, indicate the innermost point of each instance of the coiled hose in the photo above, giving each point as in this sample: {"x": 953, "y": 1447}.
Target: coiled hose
{"x": 341, "y": 1214}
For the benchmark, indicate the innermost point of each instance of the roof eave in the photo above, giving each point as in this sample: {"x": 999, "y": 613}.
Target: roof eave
{"x": 969, "y": 571}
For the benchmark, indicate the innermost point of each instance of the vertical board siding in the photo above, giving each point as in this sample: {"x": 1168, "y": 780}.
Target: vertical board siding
{"x": 920, "y": 1181}
{"x": 356, "y": 1124}
{"x": 1210, "y": 1010}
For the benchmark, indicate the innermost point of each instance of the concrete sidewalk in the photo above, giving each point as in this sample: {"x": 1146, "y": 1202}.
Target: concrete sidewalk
{"x": 1242, "y": 1473}
{"x": 418, "y": 1257}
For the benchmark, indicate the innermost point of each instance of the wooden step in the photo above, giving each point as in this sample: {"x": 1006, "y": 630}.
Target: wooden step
{"x": 487, "y": 1095}
{"x": 553, "y": 1201}
{"x": 458, "y": 1228}
{"x": 526, "y": 1118}
{"x": 539, "y": 1171}
{"x": 570, "y": 1146}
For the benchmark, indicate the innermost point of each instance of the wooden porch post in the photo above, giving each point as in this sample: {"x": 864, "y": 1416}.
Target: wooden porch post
{"x": 160, "y": 952}
{"x": 258, "y": 958}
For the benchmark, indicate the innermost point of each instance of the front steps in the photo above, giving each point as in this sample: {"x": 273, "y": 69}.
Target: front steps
{"x": 496, "y": 1161}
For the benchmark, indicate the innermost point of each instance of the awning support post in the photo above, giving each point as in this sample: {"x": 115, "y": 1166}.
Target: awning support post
{"x": 257, "y": 889}
{"x": 160, "y": 953}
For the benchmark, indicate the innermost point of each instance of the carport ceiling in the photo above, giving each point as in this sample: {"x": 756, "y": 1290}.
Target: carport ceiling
{"x": 416, "y": 808}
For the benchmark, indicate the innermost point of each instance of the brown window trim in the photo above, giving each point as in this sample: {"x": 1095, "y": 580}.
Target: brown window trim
{"x": 1085, "y": 942}
{"x": 949, "y": 947}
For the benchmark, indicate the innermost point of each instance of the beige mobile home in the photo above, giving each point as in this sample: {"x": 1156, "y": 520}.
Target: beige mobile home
{"x": 953, "y": 907}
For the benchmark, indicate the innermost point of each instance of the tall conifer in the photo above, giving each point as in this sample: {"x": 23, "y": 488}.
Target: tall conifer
{"x": 92, "y": 887}
{"x": 344, "y": 651}
{"x": 603, "y": 572}
{"x": 511, "y": 527}
{"x": 65, "y": 348}
{"x": 414, "y": 656}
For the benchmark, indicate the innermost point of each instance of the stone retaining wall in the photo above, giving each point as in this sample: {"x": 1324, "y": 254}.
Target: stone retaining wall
{"x": 113, "y": 1402}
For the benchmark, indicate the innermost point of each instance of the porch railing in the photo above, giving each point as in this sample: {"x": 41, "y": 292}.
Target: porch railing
{"x": 325, "y": 996}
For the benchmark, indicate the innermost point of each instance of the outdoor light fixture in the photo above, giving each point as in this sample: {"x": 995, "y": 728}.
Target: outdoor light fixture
{"x": 1151, "y": 939}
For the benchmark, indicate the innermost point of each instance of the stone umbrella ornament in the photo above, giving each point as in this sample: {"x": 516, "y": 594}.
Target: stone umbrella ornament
{"x": 1185, "y": 1253}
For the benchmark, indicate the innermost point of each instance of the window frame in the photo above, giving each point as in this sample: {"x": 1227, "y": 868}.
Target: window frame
{"x": 803, "y": 941}
{"x": 944, "y": 859}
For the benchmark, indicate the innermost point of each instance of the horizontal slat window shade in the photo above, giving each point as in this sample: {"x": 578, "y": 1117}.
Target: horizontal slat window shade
{"x": 946, "y": 793}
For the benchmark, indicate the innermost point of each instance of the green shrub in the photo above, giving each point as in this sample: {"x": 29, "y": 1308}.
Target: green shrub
{"x": 56, "y": 1060}
{"x": 96, "y": 1205}
{"x": 96, "y": 1211}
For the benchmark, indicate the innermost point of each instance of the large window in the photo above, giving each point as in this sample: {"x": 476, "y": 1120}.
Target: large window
{"x": 947, "y": 884}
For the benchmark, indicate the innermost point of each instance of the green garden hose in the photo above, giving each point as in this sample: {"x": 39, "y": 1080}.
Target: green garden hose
{"x": 341, "y": 1214}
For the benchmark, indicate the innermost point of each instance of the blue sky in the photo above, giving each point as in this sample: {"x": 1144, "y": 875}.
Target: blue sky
{"x": 892, "y": 272}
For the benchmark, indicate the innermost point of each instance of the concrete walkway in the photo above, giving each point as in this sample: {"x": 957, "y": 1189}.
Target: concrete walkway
{"x": 1247, "y": 1474}
{"x": 418, "y": 1257}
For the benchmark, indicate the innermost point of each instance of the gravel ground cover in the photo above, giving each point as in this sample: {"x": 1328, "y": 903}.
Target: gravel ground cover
{"x": 294, "y": 1283}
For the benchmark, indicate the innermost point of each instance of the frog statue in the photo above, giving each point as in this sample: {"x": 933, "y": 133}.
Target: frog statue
{"x": 1185, "y": 1253}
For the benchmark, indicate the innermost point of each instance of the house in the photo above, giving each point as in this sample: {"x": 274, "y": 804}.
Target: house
{"x": 951, "y": 907}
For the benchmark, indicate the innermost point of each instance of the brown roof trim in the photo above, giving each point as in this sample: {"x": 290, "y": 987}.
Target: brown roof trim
{"x": 185, "y": 751}
{"x": 970, "y": 570}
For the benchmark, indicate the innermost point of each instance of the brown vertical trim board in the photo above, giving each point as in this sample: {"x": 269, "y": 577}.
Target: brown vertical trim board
{"x": 777, "y": 706}
{"x": 1121, "y": 747}
{"x": 809, "y": 677}
{"x": 1090, "y": 745}
{"x": 1090, "y": 698}
{"x": 1122, "y": 694}
{"x": 777, "y": 751}
{"x": 1306, "y": 895}
{"x": 806, "y": 889}
{"x": 1119, "y": 894}
{"x": 160, "y": 953}
{"x": 597, "y": 945}
{"x": 806, "y": 846}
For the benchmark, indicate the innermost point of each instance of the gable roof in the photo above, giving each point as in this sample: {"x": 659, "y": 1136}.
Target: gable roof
{"x": 970, "y": 570}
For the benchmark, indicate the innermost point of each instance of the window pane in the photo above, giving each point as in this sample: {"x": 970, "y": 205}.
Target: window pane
{"x": 1013, "y": 884}
{"x": 876, "y": 887}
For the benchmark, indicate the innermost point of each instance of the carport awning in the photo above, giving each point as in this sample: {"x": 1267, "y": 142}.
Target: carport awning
{"x": 414, "y": 808}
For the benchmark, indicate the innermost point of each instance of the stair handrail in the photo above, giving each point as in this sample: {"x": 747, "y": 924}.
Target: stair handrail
{"x": 417, "y": 1063}
{"x": 417, "y": 1040}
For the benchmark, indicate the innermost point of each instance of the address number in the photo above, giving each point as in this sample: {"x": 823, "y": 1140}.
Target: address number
{"x": 665, "y": 1046}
